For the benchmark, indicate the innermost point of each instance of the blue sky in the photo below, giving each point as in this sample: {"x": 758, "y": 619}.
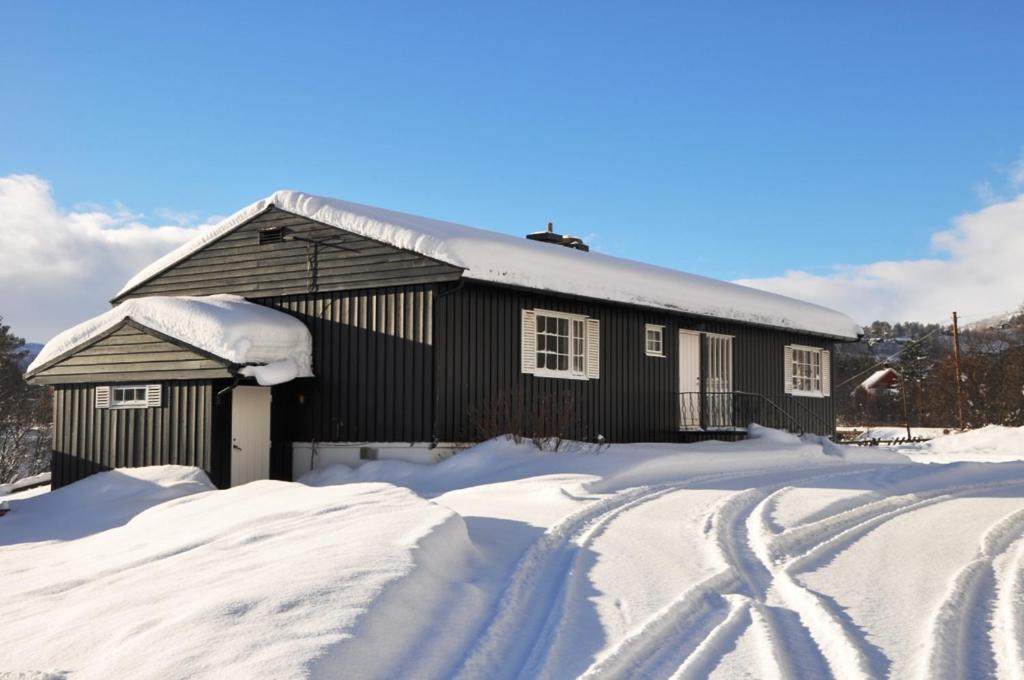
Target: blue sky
{"x": 736, "y": 141}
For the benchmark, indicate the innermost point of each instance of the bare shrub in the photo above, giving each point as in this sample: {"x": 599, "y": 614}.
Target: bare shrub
{"x": 547, "y": 422}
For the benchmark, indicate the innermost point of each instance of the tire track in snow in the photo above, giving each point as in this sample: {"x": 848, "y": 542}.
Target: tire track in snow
{"x": 514, "y": 636}
{"x": 847, "y": 653}
{"x": 1008, "y": 616}
{"x": 708, "y": 653}
{"x": 668, "y": 638}
{"x": 524, "y": 613}
{"x": 807, "y": 637}
{"x": 810, "y": 546}
{"x": 850, "y": 653}
{"x": 958, "y": 645}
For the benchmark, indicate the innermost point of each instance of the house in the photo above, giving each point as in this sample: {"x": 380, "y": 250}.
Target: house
{"x": 303, "y": 330}
{"x": 884, "y": 379}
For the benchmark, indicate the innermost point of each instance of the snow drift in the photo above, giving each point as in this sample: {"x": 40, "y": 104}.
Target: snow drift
{"x": 779, "y": 556}
{"x": 255, "y": 581}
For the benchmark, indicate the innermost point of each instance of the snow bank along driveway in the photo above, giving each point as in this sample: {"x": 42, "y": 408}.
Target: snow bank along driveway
{"x": 776, "y": 557}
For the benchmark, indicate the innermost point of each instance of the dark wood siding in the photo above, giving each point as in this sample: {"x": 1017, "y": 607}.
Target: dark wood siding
{"x": 373, "y": 361}
{"x": 236, "y": 263}
{"x": 636, "y": 398}
{"x": 188, "y": 429}
{"x": 130, "y": 354}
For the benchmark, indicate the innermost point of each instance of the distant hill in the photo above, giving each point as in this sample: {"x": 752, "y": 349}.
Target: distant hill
{"x": 33, "y": 350}
{"x": 998, "y": 321}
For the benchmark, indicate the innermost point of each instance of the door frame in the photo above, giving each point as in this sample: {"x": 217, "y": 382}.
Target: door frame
{"x": 719, "y": 384}
{"x": 250, "y": 421}
{"x": 690, "y": 406}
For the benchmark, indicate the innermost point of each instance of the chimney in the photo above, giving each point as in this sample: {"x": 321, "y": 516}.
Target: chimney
{"x": 549, "y": 236}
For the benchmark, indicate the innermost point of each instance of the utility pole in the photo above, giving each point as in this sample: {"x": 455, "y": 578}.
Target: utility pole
{"x": 956, "y": 360}
{"x": 906, "y": 414}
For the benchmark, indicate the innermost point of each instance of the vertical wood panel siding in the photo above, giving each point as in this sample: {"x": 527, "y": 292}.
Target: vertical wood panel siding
{"x": 189, "y": 429}
{"x": 373, "y": 361}
{"x": 635, "y": 399}
{"x": 238, "y": 264}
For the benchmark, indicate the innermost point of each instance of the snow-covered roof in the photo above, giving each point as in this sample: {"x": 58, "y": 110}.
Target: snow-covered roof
{"x": 499, "y": 258}
{"x": 882, "y": 379}
{"x": 226, "y": 326}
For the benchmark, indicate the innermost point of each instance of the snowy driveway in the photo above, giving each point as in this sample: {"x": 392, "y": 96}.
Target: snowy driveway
{"x": 771, "y": 558}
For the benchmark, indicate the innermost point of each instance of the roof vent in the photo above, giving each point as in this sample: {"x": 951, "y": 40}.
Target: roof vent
{"x": 270, "y": 235}
{"x": 549, "y": 236}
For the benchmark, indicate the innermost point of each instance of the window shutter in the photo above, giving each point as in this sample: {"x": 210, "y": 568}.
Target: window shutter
{"x": 102, "y": 397}
{"x": 528, "y": 342}
{"x": 153, "y": 395}
{"x": 593, "y": 349}
{"x": 788, "y": 370}
{"x": 826, "y": 373}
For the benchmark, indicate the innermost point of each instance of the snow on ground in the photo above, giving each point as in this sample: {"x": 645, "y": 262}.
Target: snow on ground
{"x": 993, "y": 444}
{"x": 775, "y": 557}
{"x": 25, "y": 483}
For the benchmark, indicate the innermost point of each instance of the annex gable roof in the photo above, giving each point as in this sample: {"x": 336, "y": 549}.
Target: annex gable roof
{"x": 225, "y": 327}
{"x": 493, "y": 257}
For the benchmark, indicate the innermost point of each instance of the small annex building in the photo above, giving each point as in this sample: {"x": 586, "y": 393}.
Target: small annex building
{"x": 303, "y": 331}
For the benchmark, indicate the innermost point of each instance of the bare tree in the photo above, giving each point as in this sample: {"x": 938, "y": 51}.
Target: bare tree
{"x": 24, "y": 413}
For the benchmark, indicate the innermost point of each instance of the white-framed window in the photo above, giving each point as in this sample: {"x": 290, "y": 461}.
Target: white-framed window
{"x": 654, "y": 340}
{"x": 808, "y": 371}
{"x": 128, "y": 396}
{"x": 560, "y": 345}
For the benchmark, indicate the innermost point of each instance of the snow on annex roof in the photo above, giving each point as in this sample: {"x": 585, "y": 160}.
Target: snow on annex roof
{"x": 499, "y": 258}
{"x": 226, "y": 326}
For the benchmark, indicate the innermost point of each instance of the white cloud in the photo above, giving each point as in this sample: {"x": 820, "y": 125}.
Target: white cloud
{"x": 1017, "y": 174}
{"x": 59, "y": 267}
{"x": 979, "y": 269}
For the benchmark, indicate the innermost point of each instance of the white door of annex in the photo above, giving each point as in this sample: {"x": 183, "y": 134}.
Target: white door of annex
{"x": 250, "y": 434}
{"x": 689, "y": 380}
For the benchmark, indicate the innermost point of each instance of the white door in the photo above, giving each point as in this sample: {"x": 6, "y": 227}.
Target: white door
{"x": 689, "y": 380}
{"x": 250, "y": 434}
{"x": 718, "y": 384}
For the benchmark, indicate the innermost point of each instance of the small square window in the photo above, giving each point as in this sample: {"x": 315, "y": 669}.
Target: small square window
{"x": 654, "y": 340}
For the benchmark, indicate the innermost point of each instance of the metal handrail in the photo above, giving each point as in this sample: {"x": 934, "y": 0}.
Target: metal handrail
{"x": 790, "y": 399}
{"x": 733, "y": 410}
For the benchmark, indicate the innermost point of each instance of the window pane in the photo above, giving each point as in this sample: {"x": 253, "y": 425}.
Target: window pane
{"x": 563, "y": 363}
{"x": 563, "y": 345}
{"x": 563, "y": 327}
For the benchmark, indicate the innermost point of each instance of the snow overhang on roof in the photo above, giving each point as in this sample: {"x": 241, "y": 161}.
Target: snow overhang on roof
{"x": 264, "y": 343}
{"x": 502, "y": 259}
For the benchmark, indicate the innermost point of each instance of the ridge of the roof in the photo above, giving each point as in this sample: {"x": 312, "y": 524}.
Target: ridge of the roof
{"x": 499, "y": 258}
